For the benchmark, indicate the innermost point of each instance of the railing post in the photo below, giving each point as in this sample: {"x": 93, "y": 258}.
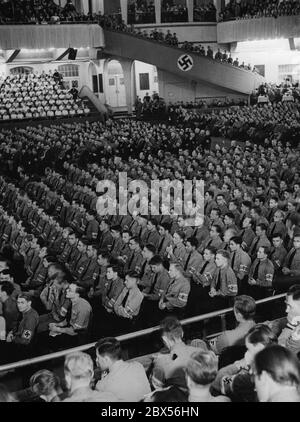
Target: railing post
{"x": 157, "y": 4}
{"x": 223, "y": 322}
{"x": 218, "y": 6}
{"x": 124, "y": 10}
{"x": 190, "y": 8}
{"x": 204, "y": 331}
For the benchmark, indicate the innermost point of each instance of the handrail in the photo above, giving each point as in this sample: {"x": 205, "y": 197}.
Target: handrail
{"x": 88, "y": 93}
{"x": 124, "y": 337}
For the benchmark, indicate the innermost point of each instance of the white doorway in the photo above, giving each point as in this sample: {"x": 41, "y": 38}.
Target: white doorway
{"x": 115, "y": 89}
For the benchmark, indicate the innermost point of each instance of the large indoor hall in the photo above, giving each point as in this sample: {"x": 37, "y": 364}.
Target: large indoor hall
{"x": 149, "y": 203}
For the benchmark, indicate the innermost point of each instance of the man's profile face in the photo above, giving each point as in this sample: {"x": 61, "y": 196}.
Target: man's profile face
{"x": 101, "y": 362}
{"x": 292, "y": 309}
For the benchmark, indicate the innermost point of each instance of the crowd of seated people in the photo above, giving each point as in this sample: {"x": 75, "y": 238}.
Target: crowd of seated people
{"x": 153, "y": 107}
{"x": 268, "y": 92}
{"x": 44, "y": 11}
{"x": 36, "y": 96}
{"x": 262, "y": 367}
{"x": 205, "y": 13}
{"x": 260, "y": 122}
{"x": 243, "y": 9}
{"x": 206, "y": 104}
{"x": 121, "y": 269}
{"x": 172, "y": 12}
{"x": 140, "y": 12}
{"x": 39, "y": 12}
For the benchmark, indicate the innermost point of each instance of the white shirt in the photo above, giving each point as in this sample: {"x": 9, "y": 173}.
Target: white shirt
{"x": 126, "y": 380}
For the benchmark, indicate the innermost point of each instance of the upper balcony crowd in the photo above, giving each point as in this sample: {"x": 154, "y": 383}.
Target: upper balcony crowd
{"x": 143, "y": 12}
{"x": 250, "y": 9}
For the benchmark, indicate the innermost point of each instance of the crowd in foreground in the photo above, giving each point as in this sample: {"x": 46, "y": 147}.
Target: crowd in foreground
{"x": 257, "y": 366}
{"x": 90, "y": 273}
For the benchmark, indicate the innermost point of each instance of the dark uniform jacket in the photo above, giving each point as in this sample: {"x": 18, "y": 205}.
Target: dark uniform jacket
{"x": 277, "y": 256}
{"x": 135, "y": 261}
{"x": 192, "y": 263}
{"x": 294, "y": 266}
{"x": 177, "y": 293}
{"x": 132, "y": 306}
{"x": 247, "y": 236}
{"x": 216, "y": 243}
{"x": 105, "y": 240}
{"x": 25, "y": 331}
{"x": 257, "y": 243}
{"x": 276, "y": 227}
{"x": 116, "y": 246}
{"x": 178, "y": 254}
{"x": 158, "y": 285}
{"x": 205, "y": 274}
{"x": 111, "y": 291}
{"x": 10, "y": 313}
{"x": 228, "y": 282}
{"x": 265, "y": 272}
{"x": 151, "y": 237}
{"x": 240, "y": 263}
{"x": 164, "y": 242}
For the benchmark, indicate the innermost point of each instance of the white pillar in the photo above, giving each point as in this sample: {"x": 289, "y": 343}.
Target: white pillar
{"x": 124, "y": 10}
{"x": 101, "y": 6}
{"x": 218, "y": 6}
{"x": 78, "y": 5}
{"x": 190, "y": 8}
{"x": 95, "y": 5}
{"x": 85, "y": 6}
{"x": 127, "y": 66}
{"x": 98, "y": 6}
{"x": 157, "y": 4}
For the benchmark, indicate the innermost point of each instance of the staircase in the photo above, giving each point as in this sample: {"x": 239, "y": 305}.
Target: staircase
{"x": 123, "y": 115}
{"x": 93, "y": 111}
{"x": 222, "y": 76}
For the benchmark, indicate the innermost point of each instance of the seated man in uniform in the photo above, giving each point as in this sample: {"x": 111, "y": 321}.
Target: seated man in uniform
{"x": 194, "y": 260}
{"x": 10, "y": 310}
{"x": 291, "y": 268}
{"x": 152, "y": 294}
{"x": 19, "y": 340}
{"x": 224, "y": 284}
{"x": 128, "y": 304}
{"x": 54, "y": 297}
{"x": 278, "y": 252}
{"x": 71, "y": 333}
{"x": 175, "y": 298}
{"x": 201, "y": 281}
{"x": 240, "y": 262}
{"x": 261, "y": 275}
